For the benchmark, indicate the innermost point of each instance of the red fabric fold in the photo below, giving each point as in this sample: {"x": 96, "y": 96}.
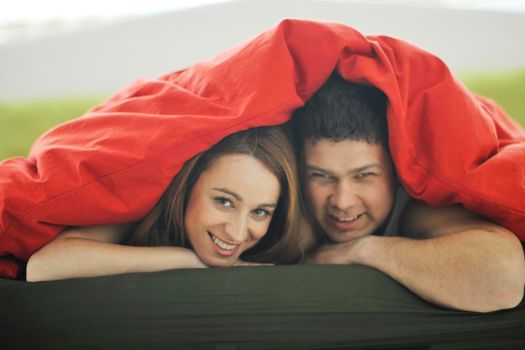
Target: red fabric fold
{"x": 112, "y": 164}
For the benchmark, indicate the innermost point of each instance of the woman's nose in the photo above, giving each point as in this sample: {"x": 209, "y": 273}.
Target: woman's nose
{"x": 236, "y": 229}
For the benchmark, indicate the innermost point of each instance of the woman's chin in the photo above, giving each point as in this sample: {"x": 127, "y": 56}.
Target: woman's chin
{"x": 214, "y": 261}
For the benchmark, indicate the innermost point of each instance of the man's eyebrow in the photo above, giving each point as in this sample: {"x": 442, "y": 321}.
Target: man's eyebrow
{"x": 368, "y": 166}
{"x": 353, "y": 171}
{"x": 318, "y": 168}
{"x": 239, "y": 198}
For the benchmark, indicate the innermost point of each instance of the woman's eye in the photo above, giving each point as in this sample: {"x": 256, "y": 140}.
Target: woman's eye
{"x": 262, "y": 213}
{"x": 223, "y": 202}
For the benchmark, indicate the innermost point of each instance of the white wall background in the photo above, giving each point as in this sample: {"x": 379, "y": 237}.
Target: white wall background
{"x": 99, "y": 59}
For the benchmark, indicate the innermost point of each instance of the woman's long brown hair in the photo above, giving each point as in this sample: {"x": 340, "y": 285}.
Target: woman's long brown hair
{"x": 164, "y": 225}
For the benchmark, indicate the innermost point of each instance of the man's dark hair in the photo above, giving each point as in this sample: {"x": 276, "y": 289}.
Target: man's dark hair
{"x": 342, "y": 110}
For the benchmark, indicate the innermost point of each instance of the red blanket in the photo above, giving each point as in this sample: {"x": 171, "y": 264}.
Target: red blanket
{"x": 112, "y": 164}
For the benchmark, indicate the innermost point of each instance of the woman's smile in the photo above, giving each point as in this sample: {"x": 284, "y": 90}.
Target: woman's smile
{"x": 221, "y": 247}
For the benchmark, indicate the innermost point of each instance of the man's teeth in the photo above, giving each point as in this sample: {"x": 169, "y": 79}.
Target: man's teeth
{"x": 347, "y": 219}
{"x": 223, "y": 245}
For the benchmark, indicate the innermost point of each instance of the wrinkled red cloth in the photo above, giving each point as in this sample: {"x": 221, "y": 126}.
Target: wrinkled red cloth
{"x": 112, "y": 164}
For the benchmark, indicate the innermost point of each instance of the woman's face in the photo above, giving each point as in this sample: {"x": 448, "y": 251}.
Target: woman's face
{"x": 230, "y": 208}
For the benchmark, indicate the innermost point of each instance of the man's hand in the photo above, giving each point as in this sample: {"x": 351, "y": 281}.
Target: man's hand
{"x": 337, "y": 253}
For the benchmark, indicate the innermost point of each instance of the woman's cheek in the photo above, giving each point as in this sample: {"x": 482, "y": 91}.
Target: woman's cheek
{"x": 261, "y": 229}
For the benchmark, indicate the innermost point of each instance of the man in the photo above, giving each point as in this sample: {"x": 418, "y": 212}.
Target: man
{"x": 448, "y": 255}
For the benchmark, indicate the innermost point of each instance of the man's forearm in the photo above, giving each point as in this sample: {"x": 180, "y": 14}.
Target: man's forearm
{"x": 470, "y": 270}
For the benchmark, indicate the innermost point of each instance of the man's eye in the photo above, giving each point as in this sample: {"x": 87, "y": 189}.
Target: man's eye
{"x": 316, "y": 175}
{"x": 223, "y": 202}
{"x": 365, "y": 175}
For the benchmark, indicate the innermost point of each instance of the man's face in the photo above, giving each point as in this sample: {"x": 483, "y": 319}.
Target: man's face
{"x": 350, "y": 186}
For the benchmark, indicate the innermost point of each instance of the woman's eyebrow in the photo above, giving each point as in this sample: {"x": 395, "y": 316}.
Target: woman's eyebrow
{"x": 267, "y": 205}
{"x": 224, "y": 190}
{"x": 239, "y": 198}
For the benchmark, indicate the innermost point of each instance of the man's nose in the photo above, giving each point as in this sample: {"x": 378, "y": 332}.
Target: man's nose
{"x": 236, "y": 228}
{"x": 343, "y": 196}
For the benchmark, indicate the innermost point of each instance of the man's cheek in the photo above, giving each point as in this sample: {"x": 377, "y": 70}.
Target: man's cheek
{"x": 315, "y": 196}
{"x": 310, "y": 193}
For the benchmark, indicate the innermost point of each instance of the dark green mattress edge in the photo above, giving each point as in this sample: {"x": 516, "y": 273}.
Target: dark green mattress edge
{"x": 267, "y": 307}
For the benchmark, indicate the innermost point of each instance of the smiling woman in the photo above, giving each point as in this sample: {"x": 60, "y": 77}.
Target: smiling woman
{"x": 237, "y": 212}
{"x": 234, "y": 204}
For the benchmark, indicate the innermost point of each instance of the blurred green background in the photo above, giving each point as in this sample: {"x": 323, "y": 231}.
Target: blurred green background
{"x": 22, "y": 122}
